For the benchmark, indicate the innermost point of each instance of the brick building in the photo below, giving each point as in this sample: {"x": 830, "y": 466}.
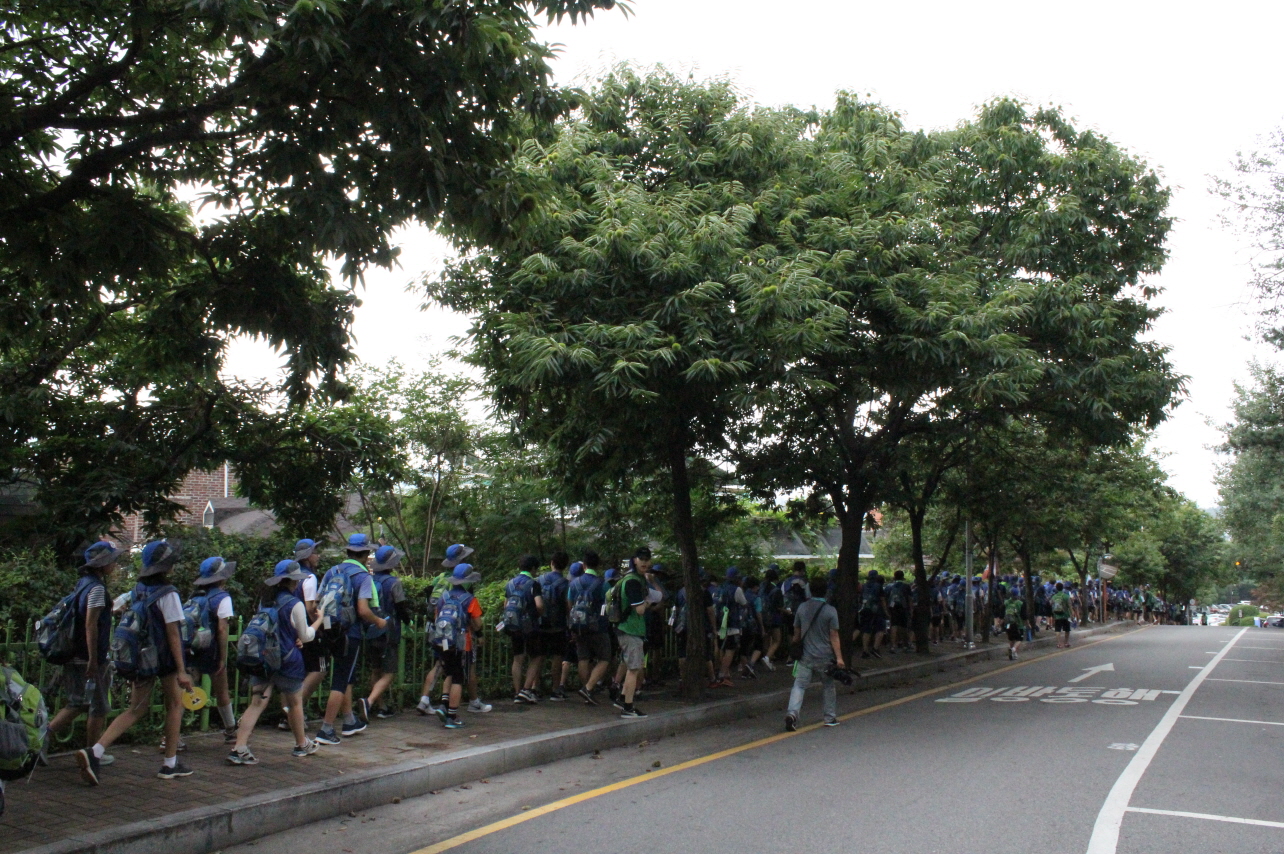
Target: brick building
{"x": 195, "y": 493}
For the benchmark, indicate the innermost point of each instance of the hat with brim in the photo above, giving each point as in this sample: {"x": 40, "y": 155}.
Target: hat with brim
{"x": 387, "y": 558}
{"x": 214, "y": 570}
{"x": 100, "y": 554}
{"x": 465, "y": 575}
{"x": 660, "y": 570}
{"x": 159, "y": 557}
{"x": 359, "y": 543}
{"x": 456, "y": 555}
{"x": 304, "y": 549}
{"x": 286, "y": 570}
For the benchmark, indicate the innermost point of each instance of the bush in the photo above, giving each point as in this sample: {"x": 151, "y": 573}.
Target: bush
{"x": 33, "y": 582}
{"x": 1246, "y": 621}
{"x": 1239, "y": 612}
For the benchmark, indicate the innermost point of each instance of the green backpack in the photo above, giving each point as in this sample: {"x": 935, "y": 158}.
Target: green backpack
{"x": 1012, "y": 613}
{"x": 23, "y": 726}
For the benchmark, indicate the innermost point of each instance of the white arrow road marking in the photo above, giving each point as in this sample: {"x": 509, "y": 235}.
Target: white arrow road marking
{"x": 1105, "y": 833}
{"x": 1093, "y": 671}
{"x": 1118, "y": 745}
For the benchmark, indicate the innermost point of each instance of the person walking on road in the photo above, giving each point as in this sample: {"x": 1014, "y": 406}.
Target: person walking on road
{"x": 816, "y": 627}
{"x": 1014, "y": 620}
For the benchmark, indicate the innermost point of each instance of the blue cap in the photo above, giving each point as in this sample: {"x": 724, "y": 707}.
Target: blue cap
{"x": 286, "y": 569}
{"x": 455, "y": 554}
{"x": 359, "y": 543}
{"x": 465, "y": 574}
{"x": 304, "y": 548}
{"x": 158, "y": 557}
{"x": 611, "y": 574}
{"x": 577, "y": 569}
{"x": 213, "y": 570}
{"x": 733, "y": 572}
{"x": 100, "y": 554}
{"x": 387, "y": 557}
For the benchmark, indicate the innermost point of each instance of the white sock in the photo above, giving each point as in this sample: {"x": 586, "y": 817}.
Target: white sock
{"x": 171, "y": 761}
{"x": 226, "y": 713}
{"x": 98, "y": 750}
{"x": 425, "y": 700}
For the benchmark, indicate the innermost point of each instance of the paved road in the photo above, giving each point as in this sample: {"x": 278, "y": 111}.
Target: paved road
{"x": 1174, "y": 746}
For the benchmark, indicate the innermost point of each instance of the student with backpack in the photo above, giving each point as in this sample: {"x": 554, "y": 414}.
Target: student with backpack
{"x": 347, "y": 592}
{"x": 773, "y": 607}
{"x": 147, "y": 645}
{"x": 308, "y": 555}
{"x": 729, "y": 610}
{"x": 751, "y": 630}
{"x": 82, "y": 626}
{"x": 270, "y": 652}
{"x": 552, "y": 623}
{"x": 456, "y": 623}
{"x": 1059, "y": 605}
{"x": 206, "y": 616}
{"x": 586, "y": 597}
{"x": 898, "y": 611}
{"x": 523, "y": 605}
{"x": 384, "y": 644}
{"x": 631, "y": 597}
{"x": 441, "y": 582}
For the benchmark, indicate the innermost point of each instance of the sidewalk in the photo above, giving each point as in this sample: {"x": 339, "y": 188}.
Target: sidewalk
{"x": 403, "y": 756}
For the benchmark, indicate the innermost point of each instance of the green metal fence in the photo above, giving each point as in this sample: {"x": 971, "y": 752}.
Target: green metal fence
{"x": 494, "y": 657}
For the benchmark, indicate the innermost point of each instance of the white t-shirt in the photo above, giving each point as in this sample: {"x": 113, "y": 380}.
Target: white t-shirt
{"x": 299, "y": 619}
{"x": 309, "y": 589}
{"x": 171, "y": 607}
{"x": 225, "y": 609}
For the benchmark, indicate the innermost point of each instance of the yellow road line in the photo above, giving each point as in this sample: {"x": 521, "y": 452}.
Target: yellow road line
{"x": 512, "y": 821}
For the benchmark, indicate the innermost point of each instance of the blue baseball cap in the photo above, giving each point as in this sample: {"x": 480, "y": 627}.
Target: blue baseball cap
{"x": 359, "y": 543}
{"x": 577, "y": 569}
{"x": 286, "y": 569}
{"x": 455, "y": 554}
{"x": 387, "y": 557}
{"x": 611, "y": 574}
{"x": 100, "y": 554}
{"x": 213, "y": 570}
{"x": 305, "y": 548}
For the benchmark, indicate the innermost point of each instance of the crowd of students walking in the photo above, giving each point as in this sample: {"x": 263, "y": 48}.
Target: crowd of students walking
{"x": 603, "y": 625}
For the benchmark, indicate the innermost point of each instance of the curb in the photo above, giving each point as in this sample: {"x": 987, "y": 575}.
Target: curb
{"x": 209, "y": 829}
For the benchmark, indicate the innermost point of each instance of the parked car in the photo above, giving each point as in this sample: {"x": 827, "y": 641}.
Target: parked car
{"x": 1276, "y": 622}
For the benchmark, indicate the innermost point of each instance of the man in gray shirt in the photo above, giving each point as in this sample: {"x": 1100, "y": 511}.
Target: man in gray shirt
{"x": 816, "y": 624}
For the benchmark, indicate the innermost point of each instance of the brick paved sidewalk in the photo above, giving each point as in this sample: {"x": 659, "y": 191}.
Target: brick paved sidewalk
{"x": 56, "y": 804}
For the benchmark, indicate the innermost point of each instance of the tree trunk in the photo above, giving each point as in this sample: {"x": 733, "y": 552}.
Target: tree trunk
{"x": 852, "y": 523}
{"x": 684, "y": 533}
{"x": 992, "y": 586}
{"x": 921, "y": 618}
{"x": 1029, "y": 587}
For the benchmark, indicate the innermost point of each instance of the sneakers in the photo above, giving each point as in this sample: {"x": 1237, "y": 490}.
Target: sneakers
{"x": 454, "y": 723}
{"x": 527, "y": 696}
{"x": 328, "y": 736}
{"x": 875, "y": 653}
{"x": 632, "y": 713}
{"x": 618, "y": 702}
{"x": 725, "y": 682}
{"x": 440, "y": 712}
{"x": 284, "y": 726}
{"x": 425, "y": 707}
{"x": 791, "y": 723}
{"x": 353, "y": 728}
{"x": 88, "y": 766}
{"x": 179, "y": 770}
{"x": 1011, "y": 654}
{"x": 229, "y": 735}
{"x": 362, "y": 707}
{"x": 478, "y": 706}
{"x": 748, "y": 672}
{"x": 557, "y": 695}
{"x": 384, "y": 713}
{"x": 831, "y": 721}
{"x": 771, "y": 668}
{"x": 242, "y": 757}
{"x": 587, "y": 696}
{"x": 182, "y": 745}
{"x": 106, "y": 759}
{"x": 309, "y": 747}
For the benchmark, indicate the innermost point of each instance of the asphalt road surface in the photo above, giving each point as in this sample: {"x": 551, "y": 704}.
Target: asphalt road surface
{"x": 1161, "y": 740}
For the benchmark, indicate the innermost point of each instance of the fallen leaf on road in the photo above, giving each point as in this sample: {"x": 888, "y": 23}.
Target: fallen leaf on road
{"x": 655, "y": 764}
{"x": 525, "y": 808}
{"x": 465, "y": 786}
{"x": 396, "y": 800}
{"x": 435, "y": 792}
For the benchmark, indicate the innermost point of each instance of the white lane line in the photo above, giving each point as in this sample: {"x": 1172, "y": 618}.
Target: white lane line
{"x": 1275, "y": 648}
{"x": 1247, "y": 681}
{"x": 1194, "y": 667}
{"x": 1253, "y": 661}
{"x": 1105, "y": 832}
{"x": 1230, "y": 720}
{"x": 1207, "y": 817}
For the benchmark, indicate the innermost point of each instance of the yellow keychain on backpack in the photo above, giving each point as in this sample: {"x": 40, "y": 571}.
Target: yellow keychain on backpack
{"x": 195, "y": 699}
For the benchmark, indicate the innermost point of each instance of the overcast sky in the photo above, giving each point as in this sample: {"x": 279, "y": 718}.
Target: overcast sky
{"x": 1183, "y": 87}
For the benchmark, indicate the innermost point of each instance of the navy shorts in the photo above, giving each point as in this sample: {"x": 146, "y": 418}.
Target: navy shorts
{"x": 343, "y": 671}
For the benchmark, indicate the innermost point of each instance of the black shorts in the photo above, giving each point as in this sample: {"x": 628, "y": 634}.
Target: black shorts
{"x": 552, "y": 644}
{"x": 313, "y": 655}
{"x": 383, "y": 654}
{"x": 937, "y": 619}
{"x": 593, "y": 646}
{"x": 871, "y": 622}
{"x": 343, "y": 670}
{"x": 569, "y": 653}
{"x": 454, "y": 665}
{"x": 524, "y": 644}
{"x": 1014, "y": 633}
{"x": 899, "y": 617}
{"x": 749, "y": 643}
{"x": 1062, "y": 624}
